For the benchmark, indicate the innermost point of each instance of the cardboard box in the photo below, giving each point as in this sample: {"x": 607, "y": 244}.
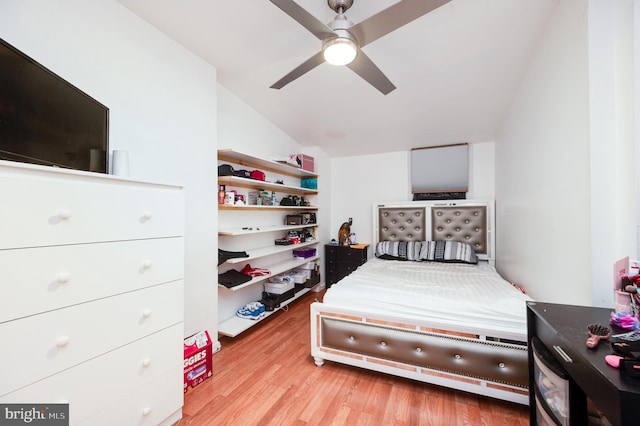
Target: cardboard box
{"x": 198, "y": 362}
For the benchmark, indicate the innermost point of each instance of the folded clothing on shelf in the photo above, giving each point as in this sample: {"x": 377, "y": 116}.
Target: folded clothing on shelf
{"x": 255, "y": 272}
{"x": 233, "y": 278}
{"x": 224, "y": 255}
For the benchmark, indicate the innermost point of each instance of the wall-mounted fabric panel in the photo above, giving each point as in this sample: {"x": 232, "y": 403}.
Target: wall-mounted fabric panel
{"x": 440, "y": 168}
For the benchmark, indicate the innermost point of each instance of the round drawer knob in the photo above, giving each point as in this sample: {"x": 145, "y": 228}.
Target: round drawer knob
{"x": 501, "y": 365}
{"x": 383, "y": 344}
{"x": 146, "y": 264}
{"x": 457, "y": 356}
{"x": 147, "y": 216}
{"x": 64, "y": 214}
{"x": 146, "y": 313}
{"x": 63, "y": 277}
{"x": 146, "y": 411}
{"x": 62, "y": 341}
{"x": 146, "y": 362}
{"x": 418, "y": 350}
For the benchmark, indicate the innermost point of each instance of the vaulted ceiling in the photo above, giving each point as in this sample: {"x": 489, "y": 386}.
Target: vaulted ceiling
{"x": 456, "y": 68}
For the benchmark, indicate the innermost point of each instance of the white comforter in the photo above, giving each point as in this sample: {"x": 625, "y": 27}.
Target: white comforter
{"x": 473, "y": 296}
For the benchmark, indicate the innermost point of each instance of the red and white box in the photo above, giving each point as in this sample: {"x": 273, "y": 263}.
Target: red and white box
{"x": 305, "y": 162}
{"x": 198, "y": 363}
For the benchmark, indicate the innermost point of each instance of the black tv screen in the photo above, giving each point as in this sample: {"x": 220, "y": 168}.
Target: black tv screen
{"x": 46, "y": 120}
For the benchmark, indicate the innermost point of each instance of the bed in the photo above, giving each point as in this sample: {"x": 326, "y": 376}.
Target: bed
{"x": 458, "y": 325}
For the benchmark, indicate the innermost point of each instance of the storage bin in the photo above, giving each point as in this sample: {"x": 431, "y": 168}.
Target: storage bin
{"x": 279, "y": 288}
{"x": 304, "y": 253}
{"x": 308, "y": 265}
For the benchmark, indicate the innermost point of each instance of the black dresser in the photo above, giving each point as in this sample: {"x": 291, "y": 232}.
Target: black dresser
{"x": 340, "y": 261}
{"x": 562, "y": 329}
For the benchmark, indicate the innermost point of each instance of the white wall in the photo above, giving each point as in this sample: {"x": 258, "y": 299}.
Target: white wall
{"x": 611, "y": 101}
{"x": 162, "y": 102}
{"x": 558, "y": 181}
{"x": 542, "y": 168}
{"x": 358, "y": 182}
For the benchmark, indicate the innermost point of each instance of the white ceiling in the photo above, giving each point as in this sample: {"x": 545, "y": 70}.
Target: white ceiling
{"x": 455, "y": 68}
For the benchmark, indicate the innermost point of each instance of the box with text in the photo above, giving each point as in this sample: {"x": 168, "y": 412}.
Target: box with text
{"x": 198, "y": 363}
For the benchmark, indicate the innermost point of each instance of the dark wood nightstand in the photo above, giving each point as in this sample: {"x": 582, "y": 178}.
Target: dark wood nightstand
{"x": 340, "y": 261}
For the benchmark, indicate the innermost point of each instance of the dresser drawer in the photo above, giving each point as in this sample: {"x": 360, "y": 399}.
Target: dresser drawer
{"x": 148, "y": 406}
{"x": 59, "y": 276}
{"x": 41, "y": 345}
{"x": 60, "y": 209}
{"x": 93, "y": 385}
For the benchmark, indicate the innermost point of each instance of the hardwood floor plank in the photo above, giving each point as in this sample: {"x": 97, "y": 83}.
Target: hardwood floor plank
{"x": 266, "y": 376}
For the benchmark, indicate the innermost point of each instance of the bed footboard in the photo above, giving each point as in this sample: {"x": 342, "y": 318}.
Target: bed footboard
{"x": 487, "y": 365}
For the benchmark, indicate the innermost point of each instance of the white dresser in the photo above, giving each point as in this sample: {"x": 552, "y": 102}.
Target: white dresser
{"x": 91, "y": 294}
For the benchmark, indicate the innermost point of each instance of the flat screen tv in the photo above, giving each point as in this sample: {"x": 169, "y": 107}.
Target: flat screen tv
{"x": 46, "y": 120}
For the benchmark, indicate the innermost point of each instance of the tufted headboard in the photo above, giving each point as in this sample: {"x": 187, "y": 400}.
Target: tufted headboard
{"x": 467, "y": 221}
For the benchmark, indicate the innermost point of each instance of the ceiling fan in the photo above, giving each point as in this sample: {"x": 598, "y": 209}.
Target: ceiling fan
{"x": 342, "y": 35}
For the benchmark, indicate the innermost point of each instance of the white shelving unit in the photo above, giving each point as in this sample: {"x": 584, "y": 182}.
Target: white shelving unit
{"x": 272, "y": 257}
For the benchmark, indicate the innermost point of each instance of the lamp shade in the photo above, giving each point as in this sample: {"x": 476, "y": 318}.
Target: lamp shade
{"x": 339, "y": 50}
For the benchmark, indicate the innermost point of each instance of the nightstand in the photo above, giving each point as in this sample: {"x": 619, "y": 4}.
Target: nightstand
{"x": 340, "y": 261}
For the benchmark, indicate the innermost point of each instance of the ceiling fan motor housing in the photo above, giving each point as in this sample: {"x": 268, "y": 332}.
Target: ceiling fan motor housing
{"x": 340, "y": 6}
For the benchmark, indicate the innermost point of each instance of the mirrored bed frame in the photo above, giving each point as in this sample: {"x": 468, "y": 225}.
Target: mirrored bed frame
{"x": 483, "y": 361}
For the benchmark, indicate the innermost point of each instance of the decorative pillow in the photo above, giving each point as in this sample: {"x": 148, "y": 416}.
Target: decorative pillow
{"x": 398, "y": 250}
{"x": 448, "y": 251}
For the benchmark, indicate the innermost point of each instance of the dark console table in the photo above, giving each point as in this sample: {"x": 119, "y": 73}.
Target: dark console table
{"x": 340, "y": 261}
{"x": 563, "y": 331}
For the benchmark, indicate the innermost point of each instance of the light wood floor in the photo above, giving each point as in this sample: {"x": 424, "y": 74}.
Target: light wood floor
{"x": 266, "y": 376}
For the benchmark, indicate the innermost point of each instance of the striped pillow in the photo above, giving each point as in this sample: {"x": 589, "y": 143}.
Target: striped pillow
{"x": 448, "y": 251}
{"x": 399, "y": 250}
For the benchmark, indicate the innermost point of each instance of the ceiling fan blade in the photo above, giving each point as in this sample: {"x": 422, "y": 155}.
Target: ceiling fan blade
{"x": 302, "y": 69}
{"x": 304, "y": 18}
{"x": 392, "y": 18}
{"x": 365, "y": 68}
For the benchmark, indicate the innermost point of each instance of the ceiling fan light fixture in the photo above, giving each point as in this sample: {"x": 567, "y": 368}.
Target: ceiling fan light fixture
{"x": 339, "y": 50}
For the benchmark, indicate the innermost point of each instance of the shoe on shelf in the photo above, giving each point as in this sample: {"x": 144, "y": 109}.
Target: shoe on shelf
{"x": 253, "y": 311}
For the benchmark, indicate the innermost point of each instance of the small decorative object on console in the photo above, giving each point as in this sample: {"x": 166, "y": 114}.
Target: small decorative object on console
{"x": 343, "y": 233}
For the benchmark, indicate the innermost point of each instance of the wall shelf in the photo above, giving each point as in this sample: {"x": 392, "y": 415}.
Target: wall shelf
{"x": 254, "y": 207}
{"x": 234, "y": 326}
{"x": 268, "y": 251}
{"x": 232, "y": 156}
{"x": 259, "y": 184}
{"x": 276, "y": 268}
{"x": 262, "y": 229}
